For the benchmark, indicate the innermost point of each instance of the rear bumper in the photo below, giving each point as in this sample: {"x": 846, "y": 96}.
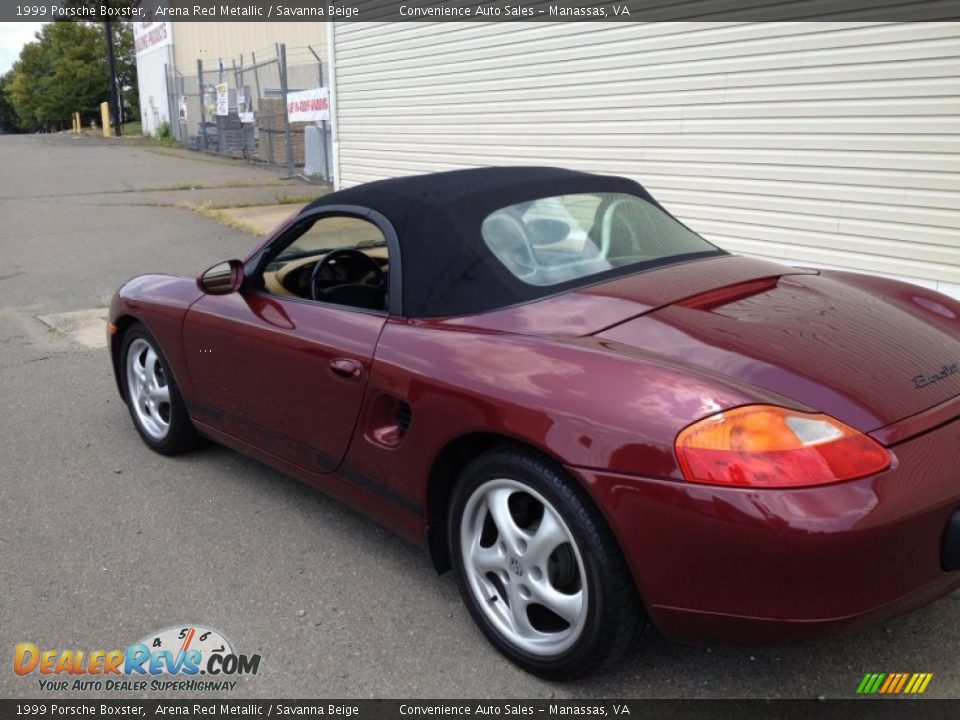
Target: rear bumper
{"x": 744, "y": 565}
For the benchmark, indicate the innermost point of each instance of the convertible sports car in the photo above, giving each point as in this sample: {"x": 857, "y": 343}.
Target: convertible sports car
{"x": 586, "y": 410}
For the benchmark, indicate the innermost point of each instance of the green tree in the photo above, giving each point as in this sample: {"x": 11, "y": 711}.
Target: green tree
{"x": 8, "y": 116}
{"x": 65, "y": 70}
{"x": 125, "y": 58}
{"x": 28, "y": 69}
{"x": 126, "y": 64}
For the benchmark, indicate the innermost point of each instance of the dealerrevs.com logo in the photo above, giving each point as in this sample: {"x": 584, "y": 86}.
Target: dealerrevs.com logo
{"x": 189, "y": 658}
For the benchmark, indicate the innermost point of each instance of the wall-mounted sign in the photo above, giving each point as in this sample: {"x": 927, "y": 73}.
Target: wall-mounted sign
{"x": 148, "y": 36}
{"x": 209, "y": 101}
{"x": 223, "y": 99}
{"x": 308, "y": 105}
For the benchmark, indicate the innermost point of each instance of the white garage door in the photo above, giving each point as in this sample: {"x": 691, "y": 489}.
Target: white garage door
{"x": 829, "y": 144}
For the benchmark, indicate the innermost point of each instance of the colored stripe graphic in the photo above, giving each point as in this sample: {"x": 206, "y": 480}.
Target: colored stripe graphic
{"x": 866, "y": 685}
{"x": 903, "y": 680}
{"x": 891, "y": 680}
{"x": 894, "y": 683}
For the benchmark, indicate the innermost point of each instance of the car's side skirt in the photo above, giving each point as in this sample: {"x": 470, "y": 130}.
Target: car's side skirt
{"x": 371, "y": 497}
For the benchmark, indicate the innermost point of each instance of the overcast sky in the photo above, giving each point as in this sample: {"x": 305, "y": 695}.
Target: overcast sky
{"x": 13, "y": 36}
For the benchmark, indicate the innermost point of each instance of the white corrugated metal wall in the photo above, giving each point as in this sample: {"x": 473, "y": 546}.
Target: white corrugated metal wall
{"x": 829, "y": 144}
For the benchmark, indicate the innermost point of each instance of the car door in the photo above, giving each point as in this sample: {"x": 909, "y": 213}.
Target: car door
{"x": 281, "y": 371}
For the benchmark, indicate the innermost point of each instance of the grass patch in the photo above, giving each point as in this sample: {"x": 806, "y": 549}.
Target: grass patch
{"x": 218, "y": 214}
{"x": 209, "y": 205}
{"x": 164, "y": 135}
{"x": 284, "y": 199}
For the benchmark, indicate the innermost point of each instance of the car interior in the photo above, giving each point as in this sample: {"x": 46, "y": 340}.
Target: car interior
{"x": 341, "y": 260}
{"x": 552, "y": 240}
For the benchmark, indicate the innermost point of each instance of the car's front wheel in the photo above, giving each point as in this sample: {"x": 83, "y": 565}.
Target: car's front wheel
{"x": 156, "y": 406}
{"x": 538, "y": 568}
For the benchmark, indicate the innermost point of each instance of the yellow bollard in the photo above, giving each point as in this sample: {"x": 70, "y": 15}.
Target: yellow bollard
{"x": 105, "y": 118}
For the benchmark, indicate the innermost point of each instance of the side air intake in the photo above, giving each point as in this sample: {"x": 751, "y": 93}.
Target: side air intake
{"x": 404, "y": 417}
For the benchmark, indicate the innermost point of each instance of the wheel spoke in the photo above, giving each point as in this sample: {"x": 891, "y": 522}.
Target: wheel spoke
{"x": 510, "y": 533}
{"x": 139, "y": 367}
{"x": 162, "y": 394}
{"x": 151, "y": 366}
{"x": 487, "y": 559}
{"x": 566, "y": 606}
{"x": 545, "y": 540}
{"x": 518, "y": 612}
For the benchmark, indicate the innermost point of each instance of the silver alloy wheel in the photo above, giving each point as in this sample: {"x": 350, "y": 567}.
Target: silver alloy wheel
{"x": 523, "y": 567}
{"x": 148, "y": 389}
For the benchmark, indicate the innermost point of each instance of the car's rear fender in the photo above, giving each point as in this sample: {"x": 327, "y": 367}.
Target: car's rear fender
{"x": 576, "y": 401}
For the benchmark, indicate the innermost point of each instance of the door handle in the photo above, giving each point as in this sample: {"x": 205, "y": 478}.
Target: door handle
{"x": 346, "y": 368}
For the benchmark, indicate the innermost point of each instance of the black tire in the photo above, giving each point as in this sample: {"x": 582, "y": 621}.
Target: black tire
{"x": 181, "y": 436}
{"x": 614, "y": 614}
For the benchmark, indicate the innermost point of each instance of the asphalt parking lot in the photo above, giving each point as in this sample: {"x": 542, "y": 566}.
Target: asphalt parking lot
{"x": 103, "y": 542}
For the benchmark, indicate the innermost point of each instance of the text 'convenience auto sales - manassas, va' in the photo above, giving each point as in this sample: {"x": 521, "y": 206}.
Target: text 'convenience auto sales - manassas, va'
{"x": 171, "y": 659}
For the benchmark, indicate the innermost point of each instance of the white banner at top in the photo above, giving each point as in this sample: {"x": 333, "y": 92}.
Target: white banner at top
{"x": 148, "y": 36}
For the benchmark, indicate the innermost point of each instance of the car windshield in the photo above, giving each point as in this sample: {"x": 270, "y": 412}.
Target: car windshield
{"x": 333, "y": 233}
{"x": 556, "y": 239}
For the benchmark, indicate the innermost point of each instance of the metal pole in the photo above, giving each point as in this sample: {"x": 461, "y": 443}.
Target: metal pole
{"x": 203, "y": 109}
{"x": 169, "y": 79}
{"x": 269, "y": 129}
{"x": 256, "y": 76}
{"x": 248, "y": 108}
{"x": 282, "y": 59}
{"x": 322, "y": 123}
{"x": 182, "y": 125}
{"x": 114, "y": 99}
{"x": 319, "y": 64}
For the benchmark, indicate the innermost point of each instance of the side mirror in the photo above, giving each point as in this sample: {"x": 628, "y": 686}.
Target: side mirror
{"x": 222, "y": 279}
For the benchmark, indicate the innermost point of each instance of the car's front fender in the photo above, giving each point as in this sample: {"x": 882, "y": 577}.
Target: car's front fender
{"x": 159, "y": 302}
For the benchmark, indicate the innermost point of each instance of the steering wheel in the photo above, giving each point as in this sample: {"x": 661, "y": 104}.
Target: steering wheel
{"x": 323, "y": 293}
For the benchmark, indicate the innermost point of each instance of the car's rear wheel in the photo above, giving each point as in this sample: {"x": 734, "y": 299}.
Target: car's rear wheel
{"x": 152, "y": 395}
{"x": 538, "y": 568}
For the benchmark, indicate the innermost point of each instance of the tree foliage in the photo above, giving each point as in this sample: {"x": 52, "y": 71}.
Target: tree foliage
{"x": 8, "y": 117}
{"x": 126, "y": 67}
{"x": 65, "y": 70}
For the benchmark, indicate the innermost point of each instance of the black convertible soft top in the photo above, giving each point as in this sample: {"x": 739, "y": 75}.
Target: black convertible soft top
{"x": 447, "y": 267}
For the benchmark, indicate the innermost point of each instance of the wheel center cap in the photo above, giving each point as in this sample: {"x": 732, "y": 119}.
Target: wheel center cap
{"x": 514, "y": 564}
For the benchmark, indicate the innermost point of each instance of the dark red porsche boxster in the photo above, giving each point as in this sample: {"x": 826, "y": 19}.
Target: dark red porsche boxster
{"x": 588, "y": 411}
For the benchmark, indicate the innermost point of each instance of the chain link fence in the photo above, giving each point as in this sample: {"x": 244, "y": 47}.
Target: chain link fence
{"x": 240, "y": 108}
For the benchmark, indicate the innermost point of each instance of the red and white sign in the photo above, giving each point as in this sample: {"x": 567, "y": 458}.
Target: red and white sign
{"x": 148, "y": 36}
{"x": 308, "y": 105}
